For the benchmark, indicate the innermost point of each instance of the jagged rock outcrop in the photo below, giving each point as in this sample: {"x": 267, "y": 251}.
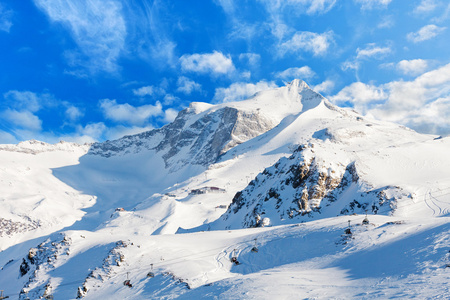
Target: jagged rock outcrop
{"x": 306, "y": 186}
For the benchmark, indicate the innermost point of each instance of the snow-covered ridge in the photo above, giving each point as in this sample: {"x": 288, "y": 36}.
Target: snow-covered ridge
{"x": 202, "y": 132}
{"x": 34, "y": 147}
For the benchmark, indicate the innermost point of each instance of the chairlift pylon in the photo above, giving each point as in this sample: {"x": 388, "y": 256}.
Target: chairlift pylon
{"x": 366, "y": 220}
{"x": 127, "y": 282}
{"x": 348, "y": 230}
{"x": 255, "y": 249}
{"x": 151, "y": 274}
{"x": 234, "y": 258}
{"x": 2, "y": 296}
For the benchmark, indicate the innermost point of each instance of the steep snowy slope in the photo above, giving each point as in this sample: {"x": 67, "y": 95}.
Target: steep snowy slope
{"x": 352, "y": 167}
{"x": 183, "y": 156}
{"x": 286, "y": 157}
{"x": 32, "y": 201}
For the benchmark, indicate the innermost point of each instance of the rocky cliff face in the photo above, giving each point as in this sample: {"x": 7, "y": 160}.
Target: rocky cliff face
{"x": 193, "y": 138}
{"x": 305, "y": 186}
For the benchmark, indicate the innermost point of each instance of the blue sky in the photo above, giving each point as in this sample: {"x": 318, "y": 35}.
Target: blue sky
{"x": 92, "y": 70}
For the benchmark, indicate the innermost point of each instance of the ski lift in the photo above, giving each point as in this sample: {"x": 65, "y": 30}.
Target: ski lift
{"x": 234, "y": 258}
{"x": 127, "y": 282}
{"x": 348, "y": 230}
{"x": 151, "y": 274}
{"x": 2, "y": 296}
{"x": 255, "y": 249}
{"x": 366, "y": 220}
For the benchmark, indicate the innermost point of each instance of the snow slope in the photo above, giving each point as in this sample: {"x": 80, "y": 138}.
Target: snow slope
{"x": 77, "y": 221}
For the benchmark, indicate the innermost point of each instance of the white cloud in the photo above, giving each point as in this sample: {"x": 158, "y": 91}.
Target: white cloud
{"x": 370, "y": 4}
{"x": 187, "y": 86}
{"x": 315, "y": 43}
{"x": 22, "y": 119}
{"x": 127, "y": 113}
{"x": 425, "y": 33}
{"x": 170, "y": 114}
{"x": 215, "y": 63}
{"x": 97, "y": 27}
{"x": 445, "y": 14}
{"x": 94, "y": 131}
{"x": 7, "y": 138}
{"x": 317, "y": 6}
{"x": 148, "y": 90}
{"x": 359, "y": 95}
{"x": 148, "y": 26}
{"x": 412, "y": 67}
{"x": 372, "y": 50}
{"x": 73, "y": 113}
{"x": 425, "y": 6}
{"x": 350, "y": 65}
{"x": 169, "y": 99}
{"x": 26, "y": 100}
{"x": 296, "y": 73}
{"x": 431, "y": 118}
{"x": 421, "y": 103}
{"x": 5, "y": 18}
{"x": 324, "y": 87}
{"x": 310, "y": 7}
{"x": 241, "y": 90}
{"x": 253, "y": 59}
{"x": 386, "y": 22}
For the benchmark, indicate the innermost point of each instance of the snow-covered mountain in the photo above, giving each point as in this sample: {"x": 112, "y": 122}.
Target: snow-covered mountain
{"x": 282, "y": 171}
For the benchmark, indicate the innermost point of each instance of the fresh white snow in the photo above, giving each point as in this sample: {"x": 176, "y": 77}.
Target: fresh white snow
{"x": 80, "y": 220}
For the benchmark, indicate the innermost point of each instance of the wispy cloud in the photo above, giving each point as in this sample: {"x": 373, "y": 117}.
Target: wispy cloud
{"x": 241, "y": 90}
{"x": 253, "y": 59}
{"x": 7, "y": 138}
{"x": 73, "y": 113}
{"x": 425, "y": 6}
{"x": 296, "y": 73}
{"x": 324, "y": 87}
{"x": 23, "y": 119}
{"x": 148, "y": 90}
{"x": 372, "y": 50}
{"x": 187, "y": 86}
{"x": 370, "y": 4}
{"x": 148, "y": 24}
{"x": 28, "y": 100}
{"x": 128, "y": 114}
{"x": 309, "y": 7}
{"x": 387, "y": 21}
{"x": 306, "y": 41}
{"x": 5, "y": 18}
{"x": 214, "y": 63}
{"x": 97, "y": 27}
{"x": 425, "y": 33}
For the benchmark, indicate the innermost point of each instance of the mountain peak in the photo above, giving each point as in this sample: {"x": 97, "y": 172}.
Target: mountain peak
{"x": 297, "y": 83}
